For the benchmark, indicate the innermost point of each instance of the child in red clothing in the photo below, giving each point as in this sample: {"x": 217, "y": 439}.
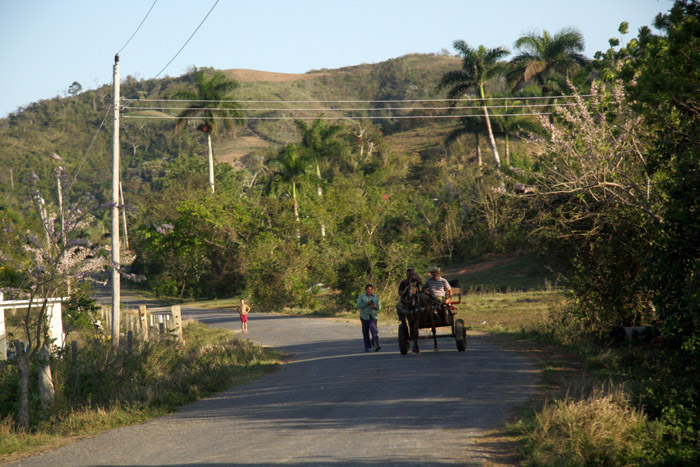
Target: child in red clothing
{"x": 243, "y": 310}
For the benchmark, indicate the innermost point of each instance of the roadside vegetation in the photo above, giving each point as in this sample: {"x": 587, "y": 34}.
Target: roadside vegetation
{"x": 587, "y": 215}
{"x": 107, "y": 389}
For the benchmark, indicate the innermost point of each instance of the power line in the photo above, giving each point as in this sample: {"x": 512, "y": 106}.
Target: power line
{"x": 172, "y": 117}
{"x": 139, "y": 27}
{"x": 360, "y": 101}
{"x": 188, "y": 40}
{"x": 75, "y": 177}
{"x": 352, "y": 109}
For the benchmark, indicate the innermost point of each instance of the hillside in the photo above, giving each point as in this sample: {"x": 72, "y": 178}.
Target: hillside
{"x": 78, "y": 127}
{"x": 408, "y": 77}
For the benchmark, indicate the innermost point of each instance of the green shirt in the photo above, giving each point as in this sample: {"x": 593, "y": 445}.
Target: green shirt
{"x": 364, "y": 303}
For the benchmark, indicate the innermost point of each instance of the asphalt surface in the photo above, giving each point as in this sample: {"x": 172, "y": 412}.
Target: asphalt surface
{"x": 332, "y": 404}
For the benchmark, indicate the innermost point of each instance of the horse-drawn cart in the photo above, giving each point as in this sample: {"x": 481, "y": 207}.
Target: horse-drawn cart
{"x": 421, "y": 312}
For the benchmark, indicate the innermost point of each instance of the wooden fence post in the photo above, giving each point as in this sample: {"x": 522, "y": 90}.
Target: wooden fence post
{"x": 74, "y": 363}
{"x": 177, "y": 322}
{"x": 105, "y": 314}
{"x": 143, "y": 318}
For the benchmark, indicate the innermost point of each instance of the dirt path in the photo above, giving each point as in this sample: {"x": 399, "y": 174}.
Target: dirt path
{"x": 332, "y": 404}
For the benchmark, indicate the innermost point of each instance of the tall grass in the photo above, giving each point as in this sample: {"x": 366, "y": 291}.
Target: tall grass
{"x": 602, "y": 428}
{"x": 107, "y": 389}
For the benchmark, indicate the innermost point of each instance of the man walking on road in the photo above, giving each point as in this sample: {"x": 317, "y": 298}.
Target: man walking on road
{"x": 369, "y": 305}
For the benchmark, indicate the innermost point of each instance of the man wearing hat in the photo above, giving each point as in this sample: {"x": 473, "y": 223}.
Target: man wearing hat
{"x": 411, "y": 278}
{"x": 437, "y": 287}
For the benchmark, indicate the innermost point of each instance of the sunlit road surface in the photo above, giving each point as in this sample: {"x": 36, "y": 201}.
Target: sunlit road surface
{"x": 331, "y": 404}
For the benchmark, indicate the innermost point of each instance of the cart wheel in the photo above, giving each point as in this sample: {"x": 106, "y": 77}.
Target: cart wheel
{"x": 460, "y": 335}
{"x": 404, "y": 343}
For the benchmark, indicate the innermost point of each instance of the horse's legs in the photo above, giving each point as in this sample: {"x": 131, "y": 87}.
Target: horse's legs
{"x": 415, "y": 321}
{"x": 432, "y": 326}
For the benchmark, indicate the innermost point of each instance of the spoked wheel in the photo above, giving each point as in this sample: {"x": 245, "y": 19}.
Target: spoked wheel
{"x": 461, "y": 335}
{"x": 404, "y": 342}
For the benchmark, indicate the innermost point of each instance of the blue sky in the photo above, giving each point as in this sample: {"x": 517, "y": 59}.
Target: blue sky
{"x": 46, "y": 45}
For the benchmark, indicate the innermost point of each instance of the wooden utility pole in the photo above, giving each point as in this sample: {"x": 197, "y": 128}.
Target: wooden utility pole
{"x": 116, "y": 291}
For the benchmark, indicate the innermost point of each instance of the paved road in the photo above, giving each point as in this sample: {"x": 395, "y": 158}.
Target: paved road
{"x": 332, "y": 404}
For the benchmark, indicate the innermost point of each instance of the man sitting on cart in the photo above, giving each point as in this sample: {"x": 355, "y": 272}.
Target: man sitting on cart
{"x": 438, "y": 290}
{"x": 411, "y": 278}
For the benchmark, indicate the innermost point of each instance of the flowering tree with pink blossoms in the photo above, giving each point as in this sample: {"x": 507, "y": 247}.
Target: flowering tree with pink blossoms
{"x": 42, "y": 264}
{"x": 598, "y": 207}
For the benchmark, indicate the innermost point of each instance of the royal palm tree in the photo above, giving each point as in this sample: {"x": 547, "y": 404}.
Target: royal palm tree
{"x": 514, "y": 125}
{"x": 546, "y": 59}
{"x": 320, "y": 141}
{"x": 290, "y": 168}
{"x": 469, "y": 125}
{"x": 209, "y": 101}
{"x": 478, "y": 66}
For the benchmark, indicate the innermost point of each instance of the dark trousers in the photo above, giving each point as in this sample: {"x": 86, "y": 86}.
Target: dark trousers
{"x": 370, "y": 326}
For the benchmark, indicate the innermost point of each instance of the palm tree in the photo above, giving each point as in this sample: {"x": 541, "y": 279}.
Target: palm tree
{"x": 546, "y": 59}
{"x": 290, "y": 171}
{"x": 468, "y": 125}
{"x": 478, "y": 66}
{"x": 208, "y": 101}
{"x": 320, "y": 141}
{"x": 514, "y": 125}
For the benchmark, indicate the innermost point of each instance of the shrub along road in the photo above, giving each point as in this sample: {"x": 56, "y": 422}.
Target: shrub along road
{"x": 331, "y": 404}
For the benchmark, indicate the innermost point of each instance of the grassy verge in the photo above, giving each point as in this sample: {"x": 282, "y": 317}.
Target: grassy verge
{"x": 107, "y": 390}
{"x": 591, "y": 407}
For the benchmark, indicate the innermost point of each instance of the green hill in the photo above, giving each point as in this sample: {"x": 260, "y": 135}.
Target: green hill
{"x": 78, "y": 128}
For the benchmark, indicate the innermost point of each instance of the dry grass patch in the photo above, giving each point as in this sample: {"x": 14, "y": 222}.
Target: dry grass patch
{"x": 509, "y": 312}
{"x": 600, "y": 429}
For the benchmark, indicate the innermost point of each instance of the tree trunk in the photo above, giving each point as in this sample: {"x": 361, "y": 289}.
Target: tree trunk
{"x": 296, "y": 209}
{"x": 319, "y": 191}
{"x": 46, "y": 388}
{"x": 478, "y": 150}
{"x": 492, "y": 140}
{"x": 507, "y": 149}
{"x": 23, "y": 396}
{"x": 211, "y": 163}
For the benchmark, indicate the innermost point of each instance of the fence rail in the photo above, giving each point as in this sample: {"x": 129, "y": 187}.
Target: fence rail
{"x": 145, "y": 325}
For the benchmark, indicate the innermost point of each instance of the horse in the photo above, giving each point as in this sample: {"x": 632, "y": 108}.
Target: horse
{"x": 416, "y": 308}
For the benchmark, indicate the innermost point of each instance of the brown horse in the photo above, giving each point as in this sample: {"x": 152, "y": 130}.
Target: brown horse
{"x": 417, "y": 308}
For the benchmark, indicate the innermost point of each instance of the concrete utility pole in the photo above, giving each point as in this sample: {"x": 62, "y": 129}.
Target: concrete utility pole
{"x": 59, "y": 172}
{"x": 116, "y": 291}
{"x": 126, "y": 231}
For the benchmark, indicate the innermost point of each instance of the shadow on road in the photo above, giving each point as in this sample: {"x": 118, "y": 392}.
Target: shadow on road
{"x": 334, "y": 384}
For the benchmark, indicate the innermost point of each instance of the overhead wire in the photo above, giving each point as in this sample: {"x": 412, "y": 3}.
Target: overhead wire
{"x": 349, "y": 109}
{"x": 188, "y": 40}
{"x": 92, "y": 143}
{"x": 303, "y": 117}
{"x": 97, "y": 132}
{"x": 134, "y": 107}
{"x": 139, "y": 27}
{"x": 464, "y": 99}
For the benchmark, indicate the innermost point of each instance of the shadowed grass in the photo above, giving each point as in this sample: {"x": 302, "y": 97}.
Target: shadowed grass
{"x": 109, "y": 389}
